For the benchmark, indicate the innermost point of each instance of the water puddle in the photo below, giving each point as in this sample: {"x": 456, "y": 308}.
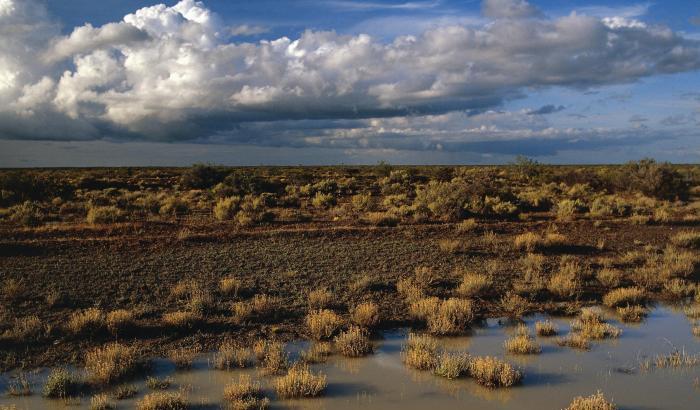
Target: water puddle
{"x": 381, "y": 381}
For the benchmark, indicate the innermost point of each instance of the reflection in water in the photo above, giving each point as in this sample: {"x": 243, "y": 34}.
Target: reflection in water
{"x": 381, "y": 381}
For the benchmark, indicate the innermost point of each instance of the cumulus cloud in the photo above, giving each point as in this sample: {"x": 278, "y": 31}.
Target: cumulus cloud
{"x": 509, "y": 9}
{"x": 173, "y": 73}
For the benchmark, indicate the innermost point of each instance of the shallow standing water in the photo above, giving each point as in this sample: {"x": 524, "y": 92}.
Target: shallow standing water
{"x": 552, "y": 378}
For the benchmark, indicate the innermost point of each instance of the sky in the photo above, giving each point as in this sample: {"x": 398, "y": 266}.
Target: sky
{"x": 285, "y": 82}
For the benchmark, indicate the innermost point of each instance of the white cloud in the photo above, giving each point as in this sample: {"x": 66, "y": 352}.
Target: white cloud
{"x": 366, "y": 6}
{"x": 509, "y": 9}
{"x": 171, "y": 73}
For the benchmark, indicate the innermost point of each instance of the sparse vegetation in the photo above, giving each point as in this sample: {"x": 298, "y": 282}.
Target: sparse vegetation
{"x": 245, "y": 394}
{"x": 323, "y": 323}
{"x": 493, "y": 372}
{"x": 546, "y": 328}
{"x": 354, "y": 342}
{"x": 111, "y": 363}
{"x": 163, "y": 401}
{"x": 300, "y": 382}
{"x": 593, "y": 402}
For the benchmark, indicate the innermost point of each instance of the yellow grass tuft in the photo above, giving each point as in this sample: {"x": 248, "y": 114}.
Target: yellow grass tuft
{"x": 110, "y": 363}
{"x": 232, "y": 355}
{"x": 230, "y": 286}
{"x": 590, "y": 325}
{"x": 300, "y": 382}
{"x": 632, "y": 314}
{"x": 323, "y": 323}
{"x": 319, "y": 298}
{"x": 624, "y": 296}
{"x": 593, "y": 402}
{"x": 183, "y": 357}
{"x": 493, "y": 372}
{"x": 546, "y": 328}
{"x": 365, "y": 315}
{"x": 182, "y": 319}
{"x": 354, "y": 342}
{"x": 87, "y": 321}
{"x": 245, "y": 394}
{"x": 120, "y": 321}
{"x": 474, "y": 284}
{"x": 420, "y": 352}
{"x": 452, "y": 365}
{"x": 522, "y": 344}
{"x": 163, "y": 401}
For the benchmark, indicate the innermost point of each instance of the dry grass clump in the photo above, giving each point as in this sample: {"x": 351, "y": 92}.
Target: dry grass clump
{"x": 200, "y": 301}
{"x": 319, "y": 298}
{"x": 88, "y": 321}
{"x": 354, "y": 342}
{"x": 609, "y": 277}
{"x": 318, "y": 352}
{"x": 532, "y": 280}
{"x": 522, "y": 343}
{"x": 677, "y": 358}
{"x": 13, "y": 289}
{"x": 263, "y": 305}
{"x": 60, "y": 384}
{"x": 155, "y": 383}
{"x": 273, "y": 358}
{"x": 124, "y": 391}
{"x": 696, "y": 330}
{"x": 388, "y": 218}
{"x": 546, "y": 328}
{"x": 103, "y": 215}
{"x": 25, "y": 329}
{"x": 590, "y": 325}
{"x": 100, "y": 402}
{"x": 593, "y": 402}
{"x": 493, "y": 372}
{"x": 514, "y": 305}
{"x": 226, "y": 208}
{"x": 181, "y": 319}
{"x": 692, "y": 311}
{"x": 632, "y": 314}
{"x": 183, "y": 357}
{"x": 676, "y": 263}
{"x": 232, "y": 355}
{"x": 528, "y": 241}
{"x": 182, "y": 288}
{"x": 575, "y": 341}
{"x": 245, "y": 394}
{"x": 110, "y": 363}
{"x": 624, "y": 296}
{"x": 409, "y": 289}
{"x": 120, "y": 321}
{"x": 230, "y": 286}
{"x": 450, "y": 245}
{"x": 420, "y": 352}
{"x": 163, "y": 401}
{"x": 474, "y": 284}
{"x": 678, "y": 288}
{"x": 566, "y": 283}
{"x": 365, "y": 315}
{"x": 300, "y": 382}
{"x": 444, "y": 317}
{"x": 686, "y": 239}
{"x": 452, "y": 365}
{"x": 467, "y": 225}
{"x": 323, "y": 323}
